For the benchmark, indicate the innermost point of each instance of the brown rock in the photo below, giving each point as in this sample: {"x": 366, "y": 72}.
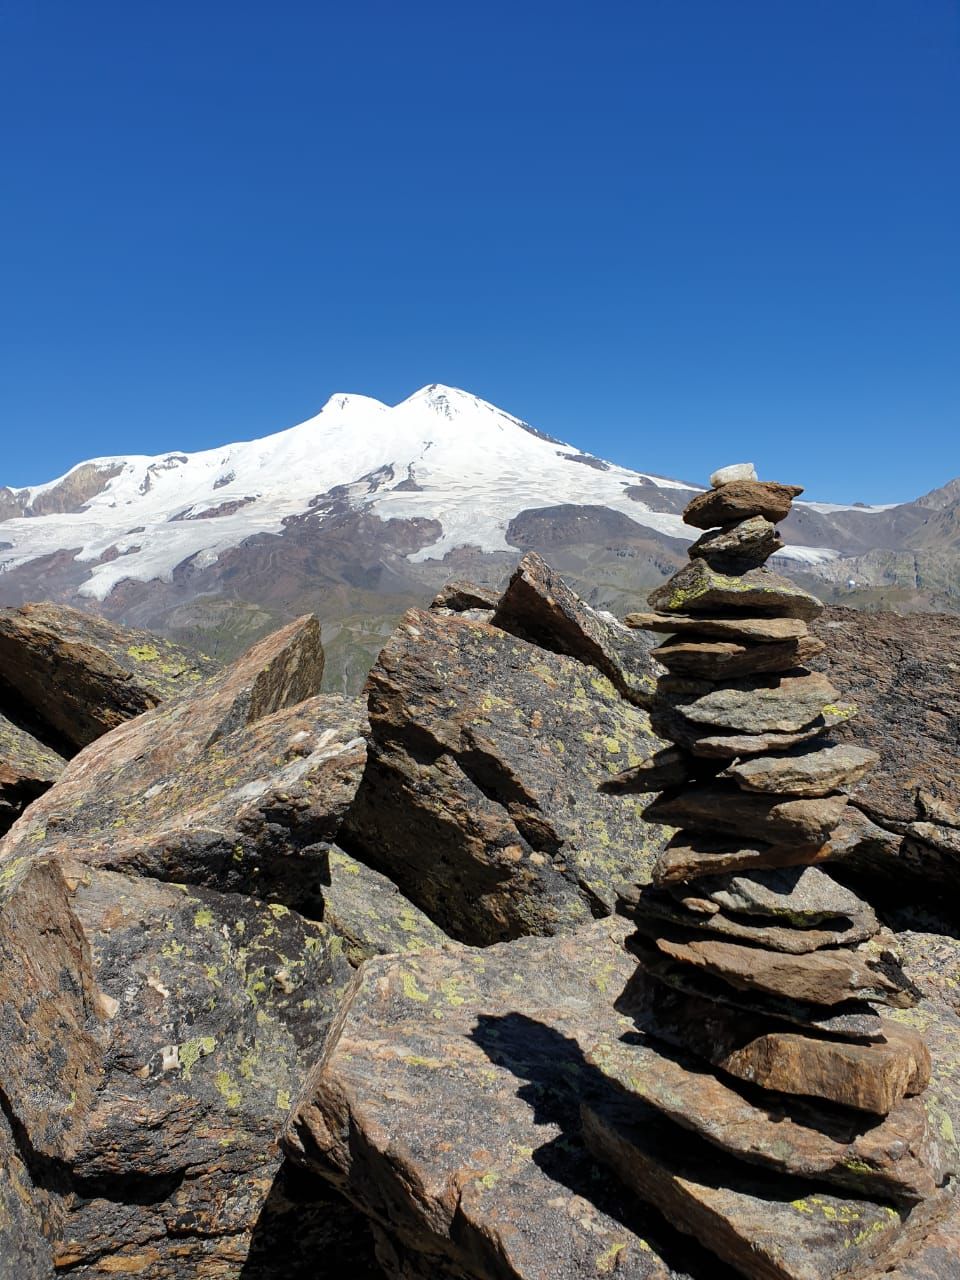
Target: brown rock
{"x": 695, "y": 913}
{"x": 538, "y": 606}
{"x": 719, "y": 746}
{"x": 740, "y": 500}
{"x": 696, "y": 588}
{"x": 81, "y": 676}
{"x": 733, "y": 627}
{"x": 792, "y": 1232}
{"x": 899, "y": 1159}
{"x": 481, "y": 798}
{"x": 744, "y": 545}
{"x": 762, "y": 704}
{"x": 460, "y": 596}
{"x": 722, "y": 808}
{"x": 689, "y": 856}
{"x": 448, "y": 1110}
{"x": 727, "y": 659}
{"x": 27, "y": 769}
{"x": 801, "y": 896}
{"x": 872, "y": 1077}
{"x": 853, "y": 1019}
{"x": 809, "y": 772}
{"x": 823, "y": 977}
{"x": 227, "y": 786}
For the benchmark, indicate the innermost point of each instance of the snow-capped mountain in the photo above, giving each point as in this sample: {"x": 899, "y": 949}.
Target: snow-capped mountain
{"x": 367, "y": 497}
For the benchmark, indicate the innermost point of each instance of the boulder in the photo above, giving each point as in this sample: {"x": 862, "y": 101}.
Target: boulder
{"x": 460, "y": 596}
{"x": 481, "y": 798}
{"x": 228, "y": 786}
{"x": 447, "y": 1110}
{"x": 538, "y": 606}
{"x": 81, "y": 676}
{"x": 154, "y": 1037}
{"x": 27, "y": 768}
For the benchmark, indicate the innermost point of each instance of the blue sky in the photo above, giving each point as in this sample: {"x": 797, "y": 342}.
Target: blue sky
{"x": 676, "y": 232}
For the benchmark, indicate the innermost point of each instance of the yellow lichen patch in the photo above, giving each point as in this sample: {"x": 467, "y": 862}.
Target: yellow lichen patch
{"x": 411, "y": 990}
{"x": 144, "y": 653}
{"x": 192, "y": 1050}
{"x": 203, "y": 918}
{"x": 228, "y": 1089}
{"x": 607, "y": 1261}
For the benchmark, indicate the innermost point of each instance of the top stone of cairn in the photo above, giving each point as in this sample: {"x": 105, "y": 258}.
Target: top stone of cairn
{"x": 736, "y": 471}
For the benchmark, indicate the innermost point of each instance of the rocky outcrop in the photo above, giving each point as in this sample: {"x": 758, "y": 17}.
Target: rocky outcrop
{"x": 79, "y": 676}
{"x": 481, "y": 798}
{"x": 904, "y": 676}
{"x": 229, "y": 786}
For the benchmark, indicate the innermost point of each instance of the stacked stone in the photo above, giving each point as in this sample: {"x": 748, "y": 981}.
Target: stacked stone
{"x": 756, "y": 967}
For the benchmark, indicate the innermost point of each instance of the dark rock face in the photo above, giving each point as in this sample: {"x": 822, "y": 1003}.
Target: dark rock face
{"x": 480, "y": 796}
{"x": 27, "y": 769}
{"x": 905, "y": 678}
{"x": 81, "y": 676}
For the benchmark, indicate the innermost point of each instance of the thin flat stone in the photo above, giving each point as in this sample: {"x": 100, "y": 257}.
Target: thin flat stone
{"x": 728, "y": 659}
{"x": 764, "y": 704}
{"x": 697, "y": 588}
{"x": 722, "y": 808}
{"x": 822, "y": 977}
{"x": 728, "y": 745}
{"x": 689, "y": 856}
{"x": 689, "y": 913}
{"x": 739, "y": 500}
{"x": 853, "y": 1019}
{"x": 802, "y": 896}
{"x": 745, "y": 545}
{"x": 813, "y": 772}
{"x": 898, "y": 1159}
{"x": 762, "y": 630}
{"x": 788, "y": 1231}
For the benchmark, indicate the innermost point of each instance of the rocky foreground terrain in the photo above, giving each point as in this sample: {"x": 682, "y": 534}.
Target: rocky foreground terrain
{"x": 296, "y": 984}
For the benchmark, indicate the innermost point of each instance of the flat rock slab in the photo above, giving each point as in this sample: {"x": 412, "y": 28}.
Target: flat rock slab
{"x": 447, "y": 1110}
{"x": 723, "y": 808}
{"x": 853, "y": 1019}
{"x": 697, "y": 588}
{"x": 867, "y": 1076}
{"x": 899, "y": 1159}
{"x": 729, "y": 659}
{"x": 767, "y": 1231}
{"x": 537, "y": 605}
{"x": 740, "y": 500}
{"x": 81, "y": 675}
{"x": 822, "y": 977}
{"x": 737, "y": 627}
{"x": 701, "y": 741}
{"x": 810, "y": 772}
{"x": 482, "y": 795}
{"x": 689, "y": 856}
{"x": 764, "y": 704}
{"x": 801, "y": 896}
{"x": 755, "y": 931}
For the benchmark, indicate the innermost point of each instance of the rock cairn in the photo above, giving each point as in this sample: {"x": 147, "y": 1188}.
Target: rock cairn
{"x": 760, "y": 977}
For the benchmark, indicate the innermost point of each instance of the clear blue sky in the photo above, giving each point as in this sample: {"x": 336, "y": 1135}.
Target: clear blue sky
{"x": 677, "y": 232}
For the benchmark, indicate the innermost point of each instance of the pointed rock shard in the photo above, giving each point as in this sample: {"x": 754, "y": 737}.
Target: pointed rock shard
{"x": 28, "y": 768}
{"x": 721, "y": 807}
{"x": 697, "y": 588}
{"x": 460, "y": 596}
{"x": 808, "y": 772}
{"x": 739, "y": 500}
{"x": 538, "y": 606}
